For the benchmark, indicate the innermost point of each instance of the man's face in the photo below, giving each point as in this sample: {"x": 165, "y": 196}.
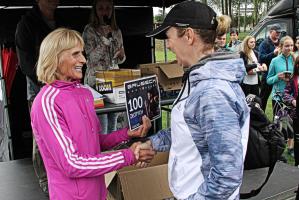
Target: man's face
{"x": 234, "y": 36}
{"x": 48, "y": 4}
{"x": 221, "y": 40}
{"x": 274, "y": 35}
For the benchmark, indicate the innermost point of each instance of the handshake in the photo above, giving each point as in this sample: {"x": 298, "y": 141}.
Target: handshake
{"x": 143, "y": 152}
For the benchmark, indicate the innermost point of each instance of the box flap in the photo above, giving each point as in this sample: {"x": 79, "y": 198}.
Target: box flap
{"x": 172, "y": 70}
{"x": 109, "y": 177}
{"x": 160, "y": 159}
{"x": 146, "y": 184}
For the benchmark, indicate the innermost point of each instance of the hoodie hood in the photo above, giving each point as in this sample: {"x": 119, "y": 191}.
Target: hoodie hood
{"x": 221, "y": 65}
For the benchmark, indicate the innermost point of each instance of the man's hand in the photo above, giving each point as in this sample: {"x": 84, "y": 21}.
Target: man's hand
{"x": 276, "y": 50}
{"x": 143, "y": 129}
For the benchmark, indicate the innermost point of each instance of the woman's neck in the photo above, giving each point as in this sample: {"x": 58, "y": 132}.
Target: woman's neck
{"x": 286, "y": 55}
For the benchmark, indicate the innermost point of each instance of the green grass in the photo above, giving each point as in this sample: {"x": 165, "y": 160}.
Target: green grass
{"x": 242, "y": 35}
{"x": 161, "y": 58}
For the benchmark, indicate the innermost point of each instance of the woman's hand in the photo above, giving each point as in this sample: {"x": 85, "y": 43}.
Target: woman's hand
{"x": 264, "y": 67}
{"x": 143, "y": 129}
{"x": 144, "y": 153}
{"x": 119, "y": 54}
{"x": 280, "y": 76}
{"x": 294, "y": 103}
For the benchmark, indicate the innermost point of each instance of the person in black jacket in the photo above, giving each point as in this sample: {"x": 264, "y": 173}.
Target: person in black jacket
{"x": 34, "y": 26}
{"x": 250, "y": 84}
{"x": 268, "y": 49}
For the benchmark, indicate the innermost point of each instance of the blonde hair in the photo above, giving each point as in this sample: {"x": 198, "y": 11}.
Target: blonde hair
{"x": 283, "y": 39}
{"x": 245, "y": 48}
{"x": 224, "y": 22}
{"x": 52, "y": 46}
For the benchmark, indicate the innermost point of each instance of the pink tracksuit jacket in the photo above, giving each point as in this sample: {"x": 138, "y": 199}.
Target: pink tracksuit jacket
{"x": 67, "y": 132}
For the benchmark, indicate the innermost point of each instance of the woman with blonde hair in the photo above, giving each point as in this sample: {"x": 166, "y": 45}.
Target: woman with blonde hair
{"x": 250, "y": 84}
{"x": 280, "y": 72}
{"x": 66, "y": 127}
{"x": 281, "y": 69}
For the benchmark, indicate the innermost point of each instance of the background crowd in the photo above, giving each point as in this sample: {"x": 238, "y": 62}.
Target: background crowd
{"x": 272, "y": 69}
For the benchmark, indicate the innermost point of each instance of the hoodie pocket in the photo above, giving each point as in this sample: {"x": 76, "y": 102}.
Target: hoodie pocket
{"x": 176, "y": 175}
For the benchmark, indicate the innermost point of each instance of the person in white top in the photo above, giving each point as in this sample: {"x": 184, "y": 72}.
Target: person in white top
{"x": 250, "y": 84}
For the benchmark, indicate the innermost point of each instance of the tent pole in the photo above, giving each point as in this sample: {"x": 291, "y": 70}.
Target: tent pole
{"x": 164, "y": 41}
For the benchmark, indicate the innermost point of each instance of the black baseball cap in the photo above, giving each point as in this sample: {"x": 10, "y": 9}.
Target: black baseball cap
{"x": 275, "y": 27}
{"x": 190, "y": 13}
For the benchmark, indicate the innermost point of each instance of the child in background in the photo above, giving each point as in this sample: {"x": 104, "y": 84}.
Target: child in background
{"x": 234, "y": 43}
{"x": 290, "y": 96}
{"x": 278, "y": 77}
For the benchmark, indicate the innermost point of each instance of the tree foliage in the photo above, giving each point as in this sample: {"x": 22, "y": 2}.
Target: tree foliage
{"x": 240, "y": 17}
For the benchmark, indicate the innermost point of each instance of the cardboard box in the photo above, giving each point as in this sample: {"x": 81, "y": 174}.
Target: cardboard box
{"x": 117, "y": 77}
{"x": 118, "y": 95}
{"x": 169, "y": 75}
{"x": 149, "y": 183}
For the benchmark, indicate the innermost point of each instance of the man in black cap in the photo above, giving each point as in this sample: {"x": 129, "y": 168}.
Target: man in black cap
{"x": 210, "y": 118}
{"x": 268, "y": 49}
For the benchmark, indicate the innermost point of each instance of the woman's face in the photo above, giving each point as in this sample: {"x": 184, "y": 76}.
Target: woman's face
{"x": 287, "y": 47}
{"x": 297, "y": 44}
{"x": 178, "y": 46}
{"x": 251, "y": 43}
{"x": 104, "y": 8}
{"x": 70, "y": 63}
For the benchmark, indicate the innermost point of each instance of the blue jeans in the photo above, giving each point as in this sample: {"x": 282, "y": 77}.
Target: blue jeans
{"x": 108, "y": 122}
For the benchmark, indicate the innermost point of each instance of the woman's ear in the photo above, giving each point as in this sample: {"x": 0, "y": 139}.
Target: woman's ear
{"x": 190, "y": 34}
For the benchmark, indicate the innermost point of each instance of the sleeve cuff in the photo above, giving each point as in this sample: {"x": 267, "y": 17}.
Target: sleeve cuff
{"x": 124, "y": 134}
{"x": 152, "y": 139}
{"x": 129, "y": 157}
